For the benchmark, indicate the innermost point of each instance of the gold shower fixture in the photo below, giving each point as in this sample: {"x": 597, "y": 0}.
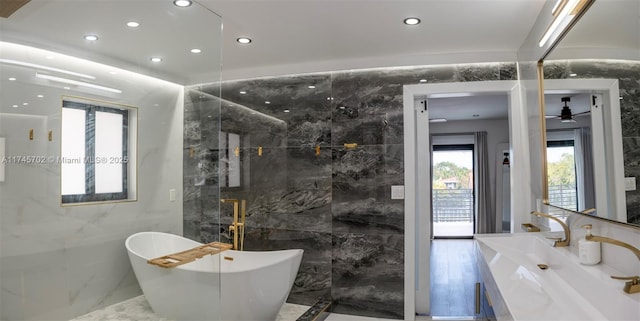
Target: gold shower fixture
{"x": 239, "y": 217}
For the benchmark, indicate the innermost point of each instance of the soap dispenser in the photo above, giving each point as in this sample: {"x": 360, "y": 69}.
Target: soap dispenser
{"x": 588, "y": 251}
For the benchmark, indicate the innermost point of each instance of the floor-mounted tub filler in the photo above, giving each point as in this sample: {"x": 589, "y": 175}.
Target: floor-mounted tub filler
{"x": 230, "y": 285}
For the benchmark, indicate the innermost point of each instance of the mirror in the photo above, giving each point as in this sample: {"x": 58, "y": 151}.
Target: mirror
{"x": 604, "y": 47}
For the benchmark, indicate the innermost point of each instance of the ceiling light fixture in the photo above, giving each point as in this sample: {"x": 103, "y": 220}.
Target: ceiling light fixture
{"x": 195, "y": 50}
{"x": 423, "y": 80}
{"x": 286, "y": 110}
{"x": 40, "y": 96}
{"x": 78, "y": 83}
{"x": 565, "y": 114}
{"x": 15, "y": 106}
{"x": 242, "y": 92}
{"x": 244, "y": 40}
{"x": 438, "y": 120}
{"x": 411, "y": 21}
{"x": 267, "y": 102}
{"x": 182, "y": 3}
{"x": 12, "y": 79}
{"x": 156, "y": 59}
{"x": 90, "y": 37}
{"x": 563, "y": 13}
{"x": 133, "y": 24}
{"x": 311, "y": 87}
{"x": 41, "y": 67}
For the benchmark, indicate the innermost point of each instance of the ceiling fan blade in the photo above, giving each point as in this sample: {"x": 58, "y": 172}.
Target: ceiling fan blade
{"x": 582, "y": 113}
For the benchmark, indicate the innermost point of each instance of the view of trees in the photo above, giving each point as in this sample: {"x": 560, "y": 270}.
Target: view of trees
{"x": 447, "y": 170}
{"x": 562, "y": 172}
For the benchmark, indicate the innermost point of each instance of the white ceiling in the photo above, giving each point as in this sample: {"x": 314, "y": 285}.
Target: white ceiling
{"x": 289, "y": 36}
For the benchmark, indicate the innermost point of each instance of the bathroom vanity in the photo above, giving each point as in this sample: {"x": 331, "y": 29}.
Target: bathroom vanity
{"x": 526, "y": 278}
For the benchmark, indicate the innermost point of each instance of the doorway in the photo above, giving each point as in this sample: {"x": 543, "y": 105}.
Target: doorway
{"x": 452, "y": 191}
{"x": 418, "y": 174}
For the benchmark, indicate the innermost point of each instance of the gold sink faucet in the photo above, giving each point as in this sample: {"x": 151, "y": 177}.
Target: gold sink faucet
{"x": 565, "y": 227}
{"x": 633, "y": 285}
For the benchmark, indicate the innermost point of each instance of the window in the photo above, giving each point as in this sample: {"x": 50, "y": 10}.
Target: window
{"x": 230, "y": 148}
{"x": 562, "y": 173}
{"x": 95, "y": 154}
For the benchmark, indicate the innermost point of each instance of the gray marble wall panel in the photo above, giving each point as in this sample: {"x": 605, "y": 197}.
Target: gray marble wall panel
{"x": 335, "y": 204}
{"x": 628, "y": 75}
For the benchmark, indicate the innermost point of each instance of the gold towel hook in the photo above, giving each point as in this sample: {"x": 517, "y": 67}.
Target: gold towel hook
{"x": 236, "y": 151}
{"x": 259, "y": 150}
{"x": 317, "y": 150}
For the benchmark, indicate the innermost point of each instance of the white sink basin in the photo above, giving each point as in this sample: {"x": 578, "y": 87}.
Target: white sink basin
{"x": 566, "y": 290}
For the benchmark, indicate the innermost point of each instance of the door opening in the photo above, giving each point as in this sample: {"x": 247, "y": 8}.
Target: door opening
{"x": 453, "y": 197}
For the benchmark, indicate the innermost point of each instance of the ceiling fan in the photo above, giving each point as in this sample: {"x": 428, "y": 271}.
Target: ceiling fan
{"x": 566, "y": 116}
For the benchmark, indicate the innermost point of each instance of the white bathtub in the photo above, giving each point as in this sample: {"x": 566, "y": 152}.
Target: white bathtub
{"x": 253, "y": 286}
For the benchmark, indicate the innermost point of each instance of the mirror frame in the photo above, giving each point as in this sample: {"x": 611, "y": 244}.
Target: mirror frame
{"x": 543, "y": 127}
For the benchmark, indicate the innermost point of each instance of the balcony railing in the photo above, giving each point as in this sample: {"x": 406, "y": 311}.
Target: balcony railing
{"x": 563, "y": 196}
{"x": 452, "y": 205}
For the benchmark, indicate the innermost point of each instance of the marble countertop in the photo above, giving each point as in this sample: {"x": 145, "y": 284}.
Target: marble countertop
{"x": 566, "y": 290}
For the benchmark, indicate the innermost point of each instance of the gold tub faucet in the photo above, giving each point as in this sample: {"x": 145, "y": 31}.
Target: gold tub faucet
{"x": 565, "y": 227}
{"x": 239, "y": 217}
{"x": 631, "y": 286}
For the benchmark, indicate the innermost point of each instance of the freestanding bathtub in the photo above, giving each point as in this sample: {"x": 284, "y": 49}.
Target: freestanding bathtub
{"x": 252, "y": 286}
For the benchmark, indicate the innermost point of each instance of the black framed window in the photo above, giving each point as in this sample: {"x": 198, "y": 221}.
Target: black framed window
{"x": 95, "y": 152}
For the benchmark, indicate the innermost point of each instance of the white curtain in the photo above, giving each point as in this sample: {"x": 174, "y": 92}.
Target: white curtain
{"x": 485, "y": 216}
{"x": 584, "y": 168}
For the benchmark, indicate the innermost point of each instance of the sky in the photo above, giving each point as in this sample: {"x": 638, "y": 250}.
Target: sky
{"x": 461, "y": 158}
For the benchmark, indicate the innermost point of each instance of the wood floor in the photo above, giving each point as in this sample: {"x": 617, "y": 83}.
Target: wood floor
{"x": 453, "y": 278}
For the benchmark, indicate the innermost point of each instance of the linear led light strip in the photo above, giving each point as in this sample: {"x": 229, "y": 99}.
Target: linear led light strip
{"x": 47, "y": 68}
{"x": 78, "y": 83}
{"x": 560, "y": 21}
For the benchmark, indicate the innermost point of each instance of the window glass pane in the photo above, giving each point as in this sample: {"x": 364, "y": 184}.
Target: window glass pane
{"x": 561, "y": 175}
{"x": 73, "y": 151}
{"x": 108, "y": 149}
{"x": 234, "y": 160}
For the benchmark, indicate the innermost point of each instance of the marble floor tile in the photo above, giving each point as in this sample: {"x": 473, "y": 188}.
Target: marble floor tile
{"x": 138, "y": 309}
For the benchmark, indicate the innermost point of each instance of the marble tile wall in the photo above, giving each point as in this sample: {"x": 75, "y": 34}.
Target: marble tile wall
{"x": 58, "y": 262}
{"x": 628, "y": 75}
{"x": 335, "y": 205}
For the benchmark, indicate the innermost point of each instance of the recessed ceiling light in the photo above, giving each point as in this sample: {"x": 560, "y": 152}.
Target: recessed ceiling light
{"x": 25, "y": 104}
{"x": 15, "y": 106}
{"x": 91, "y": 37}
{"x": 156, "y": 59}
{"x": 411, "y": 21}
{"x": 423, "y": 80}
{"x": 572, "y": 75}
{"x": 40, "y": 96}
{"x": 196, "y": 50}
{"x": 182, "y": 3}
{"x": 244, "y": 40}
{"x": 133, "y": 24}
{"x": 267, "y": 102}
{"x": 311, "y": 86}
{"x": 12, "y": 79}
{"x": 67, "y": 88}
{"x": 286, "y": 110}
{"x": 242, "y": 92}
